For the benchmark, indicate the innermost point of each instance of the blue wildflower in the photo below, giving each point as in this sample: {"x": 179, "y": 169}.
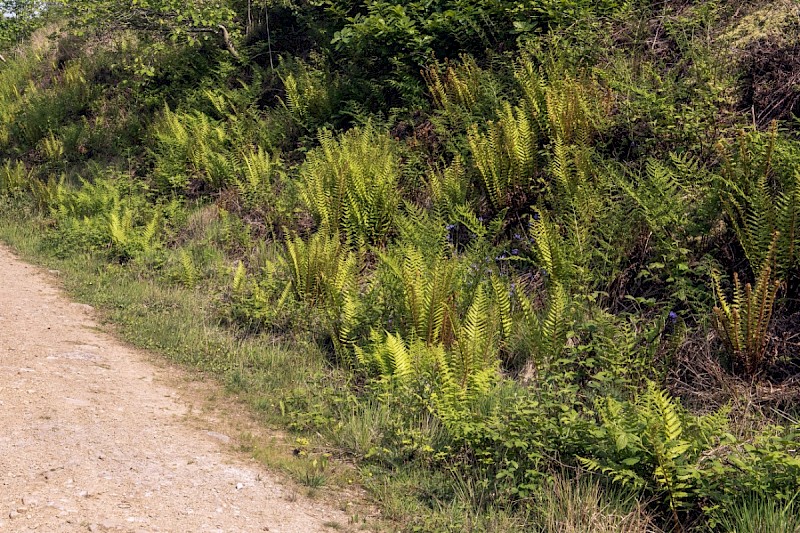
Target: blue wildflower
{"x": 673, "y": 316}
{"x": 515, "y": 251}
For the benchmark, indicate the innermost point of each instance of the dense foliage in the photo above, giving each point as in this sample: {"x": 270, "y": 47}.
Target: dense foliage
{"x": 539, "y": 242}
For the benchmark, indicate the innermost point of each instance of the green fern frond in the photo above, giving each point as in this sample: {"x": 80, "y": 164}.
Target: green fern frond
{"x": 502, "y": 301}
{"x": 553, "y": 330}
{"x": 429, "y": 288}
{"x": 760, "y": 200}
{"x": 396, "y": 359}
{"x": 189, "y": 274}
{"x": 120, "y": 224}
{"x": 14, "y": 177}
{"x": 319, "y": 269}
{"x": 788, "y": 220}
{"x": 462, "y": 90}
{"x": 506, "y": 156}
{"x": 239, "y": 278}
{"x": 254, "y": 175}
{"x": 548, "y": 249}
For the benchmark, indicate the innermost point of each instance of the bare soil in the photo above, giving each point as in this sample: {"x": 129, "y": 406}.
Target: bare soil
{"x": 96, "y": 437}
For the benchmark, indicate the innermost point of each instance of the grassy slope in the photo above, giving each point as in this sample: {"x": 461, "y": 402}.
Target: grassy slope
{"x": 670, "y": 83}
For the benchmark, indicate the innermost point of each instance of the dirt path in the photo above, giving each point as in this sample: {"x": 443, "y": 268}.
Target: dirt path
{"x": 92, "y": 438}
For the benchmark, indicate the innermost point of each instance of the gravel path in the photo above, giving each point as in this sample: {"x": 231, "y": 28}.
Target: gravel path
{"x": 92, "y": 437}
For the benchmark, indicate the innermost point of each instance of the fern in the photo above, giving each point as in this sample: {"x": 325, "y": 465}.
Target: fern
{"x": 570, "y": 114}
{"x": 546, "y": 330}
{"x": 760, "y": 200}
{"x": 534, "y": 90}
{"x": 460, "y": 376}
{"x": 190, "y": 276}
{"x": 15, "y": 177}
{"x": 472, "y": 364}
{"x": 659, "y": 197}
{"x": 653, "y": 444}
{"x": 390, "y": 358}
{"x": 423, "y": 229}
{"x": 787, "y": 220}
{"x": 350, "y": 184}
{"x": 255, "y": 177}
{"x": 449, "y": 187}
{"x": 48, "y": 194}
{"x": 506, "y": 157}
{"x": 310, "y": 93}
{"x": 743, "y": 322}
{"x": 428, "y": 293}
{"x": 463, "y": 91}
{"x": 549, "y": 249}
{"x": 129, "y": 239}
{"x": 502, "y": 299}
{"x": 239, "y": 279}
{"x": 563, "y": 108}
{"x": 319, "y": 269}
{"x": 192, "y": 146}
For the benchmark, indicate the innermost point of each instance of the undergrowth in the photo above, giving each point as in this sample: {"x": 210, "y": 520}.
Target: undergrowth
{"x": 468, "y": 259}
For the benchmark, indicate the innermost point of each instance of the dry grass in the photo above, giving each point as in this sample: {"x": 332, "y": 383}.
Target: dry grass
{"x": 581, "y": 505}
{"x": 764, "y": 42}
{"x": 766, "y": 21}
{"x": 704, "y": 384}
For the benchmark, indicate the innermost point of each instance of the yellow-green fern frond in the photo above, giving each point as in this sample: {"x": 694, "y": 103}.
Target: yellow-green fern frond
{"x": 189, "y": 276}
{"x": 743, "y": 322}
{"x": 239, "y": 278}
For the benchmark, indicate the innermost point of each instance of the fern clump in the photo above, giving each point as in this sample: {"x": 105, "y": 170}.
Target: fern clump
{"x": 255, "y": 180}
{"x": 192, "y": 147}
{"x": 350, "y": 184}
{"x": 507, "y": 157}
{"x": 544, "y": 334}
{"x": 460, "y": 374}
{"x": 110, "y": 214}
{"x": 744, "y": 322}
{"x": 311, "y": 93}
{"x": 759, "y": 188}
{"x": 319, "y": 269}
{"x": 14, "y": 178}
{"x": 463, "y": 91}
{"x": 652, "y": 443}
{"x": 425, "y": 302}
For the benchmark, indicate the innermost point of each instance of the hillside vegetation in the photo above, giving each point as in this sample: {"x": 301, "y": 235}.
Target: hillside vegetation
{"x": 529, "y": 265}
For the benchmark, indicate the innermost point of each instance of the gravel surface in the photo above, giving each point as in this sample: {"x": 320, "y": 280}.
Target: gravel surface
{"x": 94, "y": 438}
